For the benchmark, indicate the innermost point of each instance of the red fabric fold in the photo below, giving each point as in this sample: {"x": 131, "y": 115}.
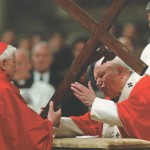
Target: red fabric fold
{"x": 20, "y": 127}
{"x": 3, "y": 47}
{"x": 135, "y": 111}
{"x": 88, "y": 126}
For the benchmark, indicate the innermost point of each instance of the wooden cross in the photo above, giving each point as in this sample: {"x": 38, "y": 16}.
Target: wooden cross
{"x": 100, "y": 37}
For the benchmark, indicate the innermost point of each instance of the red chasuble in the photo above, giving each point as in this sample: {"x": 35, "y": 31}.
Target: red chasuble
{"x": 134, "y": 112}
{"x": 88, "y": 126}
{"x": 20, "y": 127}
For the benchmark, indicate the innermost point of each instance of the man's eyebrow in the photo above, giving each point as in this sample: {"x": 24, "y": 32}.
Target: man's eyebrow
{"x": 101, "y": 71}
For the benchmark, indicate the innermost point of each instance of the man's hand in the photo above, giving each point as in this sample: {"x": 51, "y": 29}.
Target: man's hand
{"x": 84, "y": 94}
{"x": 53, "y": 116}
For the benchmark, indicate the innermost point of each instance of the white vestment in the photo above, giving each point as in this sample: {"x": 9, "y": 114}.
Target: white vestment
{"x": 145, "y": 57}
{"x": 102, "y": 111}
{"x": 38, "y": 95}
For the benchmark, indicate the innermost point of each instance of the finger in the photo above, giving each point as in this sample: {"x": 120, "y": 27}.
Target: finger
{"x": 78, "y": 97}
{"x": 81, "y": 99}
{"x": 90, "y": 86}
{"x": 51, "y": 104}
{"x": 76, "y": 91}
{"x": 79, "y": 86}
{"x": 84, "y": 101}
{"x": 51, "y": 111}
{"x": 58, "y": 111}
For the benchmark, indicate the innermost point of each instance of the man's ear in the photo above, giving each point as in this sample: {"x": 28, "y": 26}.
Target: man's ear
{"x": 120, "y": 72}
{"x": 3, "y": 65}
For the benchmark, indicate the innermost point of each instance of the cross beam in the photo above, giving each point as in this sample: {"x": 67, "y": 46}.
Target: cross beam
{"x": 99, "y": 36}
{"x": 90, "y": 24}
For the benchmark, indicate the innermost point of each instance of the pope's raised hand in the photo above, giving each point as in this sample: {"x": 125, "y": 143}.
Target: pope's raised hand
{"x": 83, "y": 93}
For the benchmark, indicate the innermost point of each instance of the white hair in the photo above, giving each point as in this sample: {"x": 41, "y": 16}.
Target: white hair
{"x": 9, "y": 52}
{"x": 117, "y": 61}
{"x": 39, "y": 45}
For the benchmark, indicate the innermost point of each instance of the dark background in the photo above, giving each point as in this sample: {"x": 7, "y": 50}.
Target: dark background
{"x": 44, "y": 16}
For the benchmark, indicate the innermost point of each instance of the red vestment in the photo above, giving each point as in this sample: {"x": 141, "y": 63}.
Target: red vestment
{"x": 88, "y": 126}
{"x": 134, "y": 112}
{"x": 20, "y": 127}
{"x": 91, "y": 127}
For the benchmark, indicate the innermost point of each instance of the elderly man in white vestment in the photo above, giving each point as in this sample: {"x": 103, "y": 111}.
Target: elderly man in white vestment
{"x": 130, "y": 114}
{"x": 131, "y": 111}
{"x": 113, "y": 70}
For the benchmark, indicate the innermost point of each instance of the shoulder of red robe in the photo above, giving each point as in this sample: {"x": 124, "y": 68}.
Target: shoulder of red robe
{"x": 3, "y": 47}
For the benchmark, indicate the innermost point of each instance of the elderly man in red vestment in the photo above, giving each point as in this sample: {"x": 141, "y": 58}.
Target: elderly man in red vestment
{"x": 20, "y": 127}
{"x": 130, "y": 114}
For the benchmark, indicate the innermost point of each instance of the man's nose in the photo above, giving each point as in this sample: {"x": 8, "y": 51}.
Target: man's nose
{"x": 98, "y": 82}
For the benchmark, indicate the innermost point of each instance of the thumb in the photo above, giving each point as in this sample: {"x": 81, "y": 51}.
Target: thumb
{"x": 51, "y": 105}
{"x": 59, "y": 112}
{"x": 90, "y": 86}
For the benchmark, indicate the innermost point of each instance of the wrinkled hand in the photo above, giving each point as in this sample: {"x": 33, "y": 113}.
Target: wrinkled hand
{"x": 85, "y": 94}
{"x": 53, "y": 116}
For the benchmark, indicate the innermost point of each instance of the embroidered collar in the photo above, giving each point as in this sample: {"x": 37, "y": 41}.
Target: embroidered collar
{"x": 133, "y": 79}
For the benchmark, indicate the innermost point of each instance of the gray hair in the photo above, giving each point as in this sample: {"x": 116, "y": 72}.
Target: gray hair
{"x": 9, "y": 52}
{"x": 39, "y": 45}
{"x": 117, "y": 61}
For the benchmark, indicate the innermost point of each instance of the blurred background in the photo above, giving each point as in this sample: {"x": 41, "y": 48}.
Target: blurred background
{"x": 25, "y": 17}
{"x": 49, "y": 41}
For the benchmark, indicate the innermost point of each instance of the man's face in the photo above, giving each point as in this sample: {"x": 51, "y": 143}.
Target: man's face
{"x": 23, "y": 66}
{"x": 9, "y": 67}
{"x": 108, "y": 80}
{"x": 41, "y": 59}
{"x": 148, "y": 14}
